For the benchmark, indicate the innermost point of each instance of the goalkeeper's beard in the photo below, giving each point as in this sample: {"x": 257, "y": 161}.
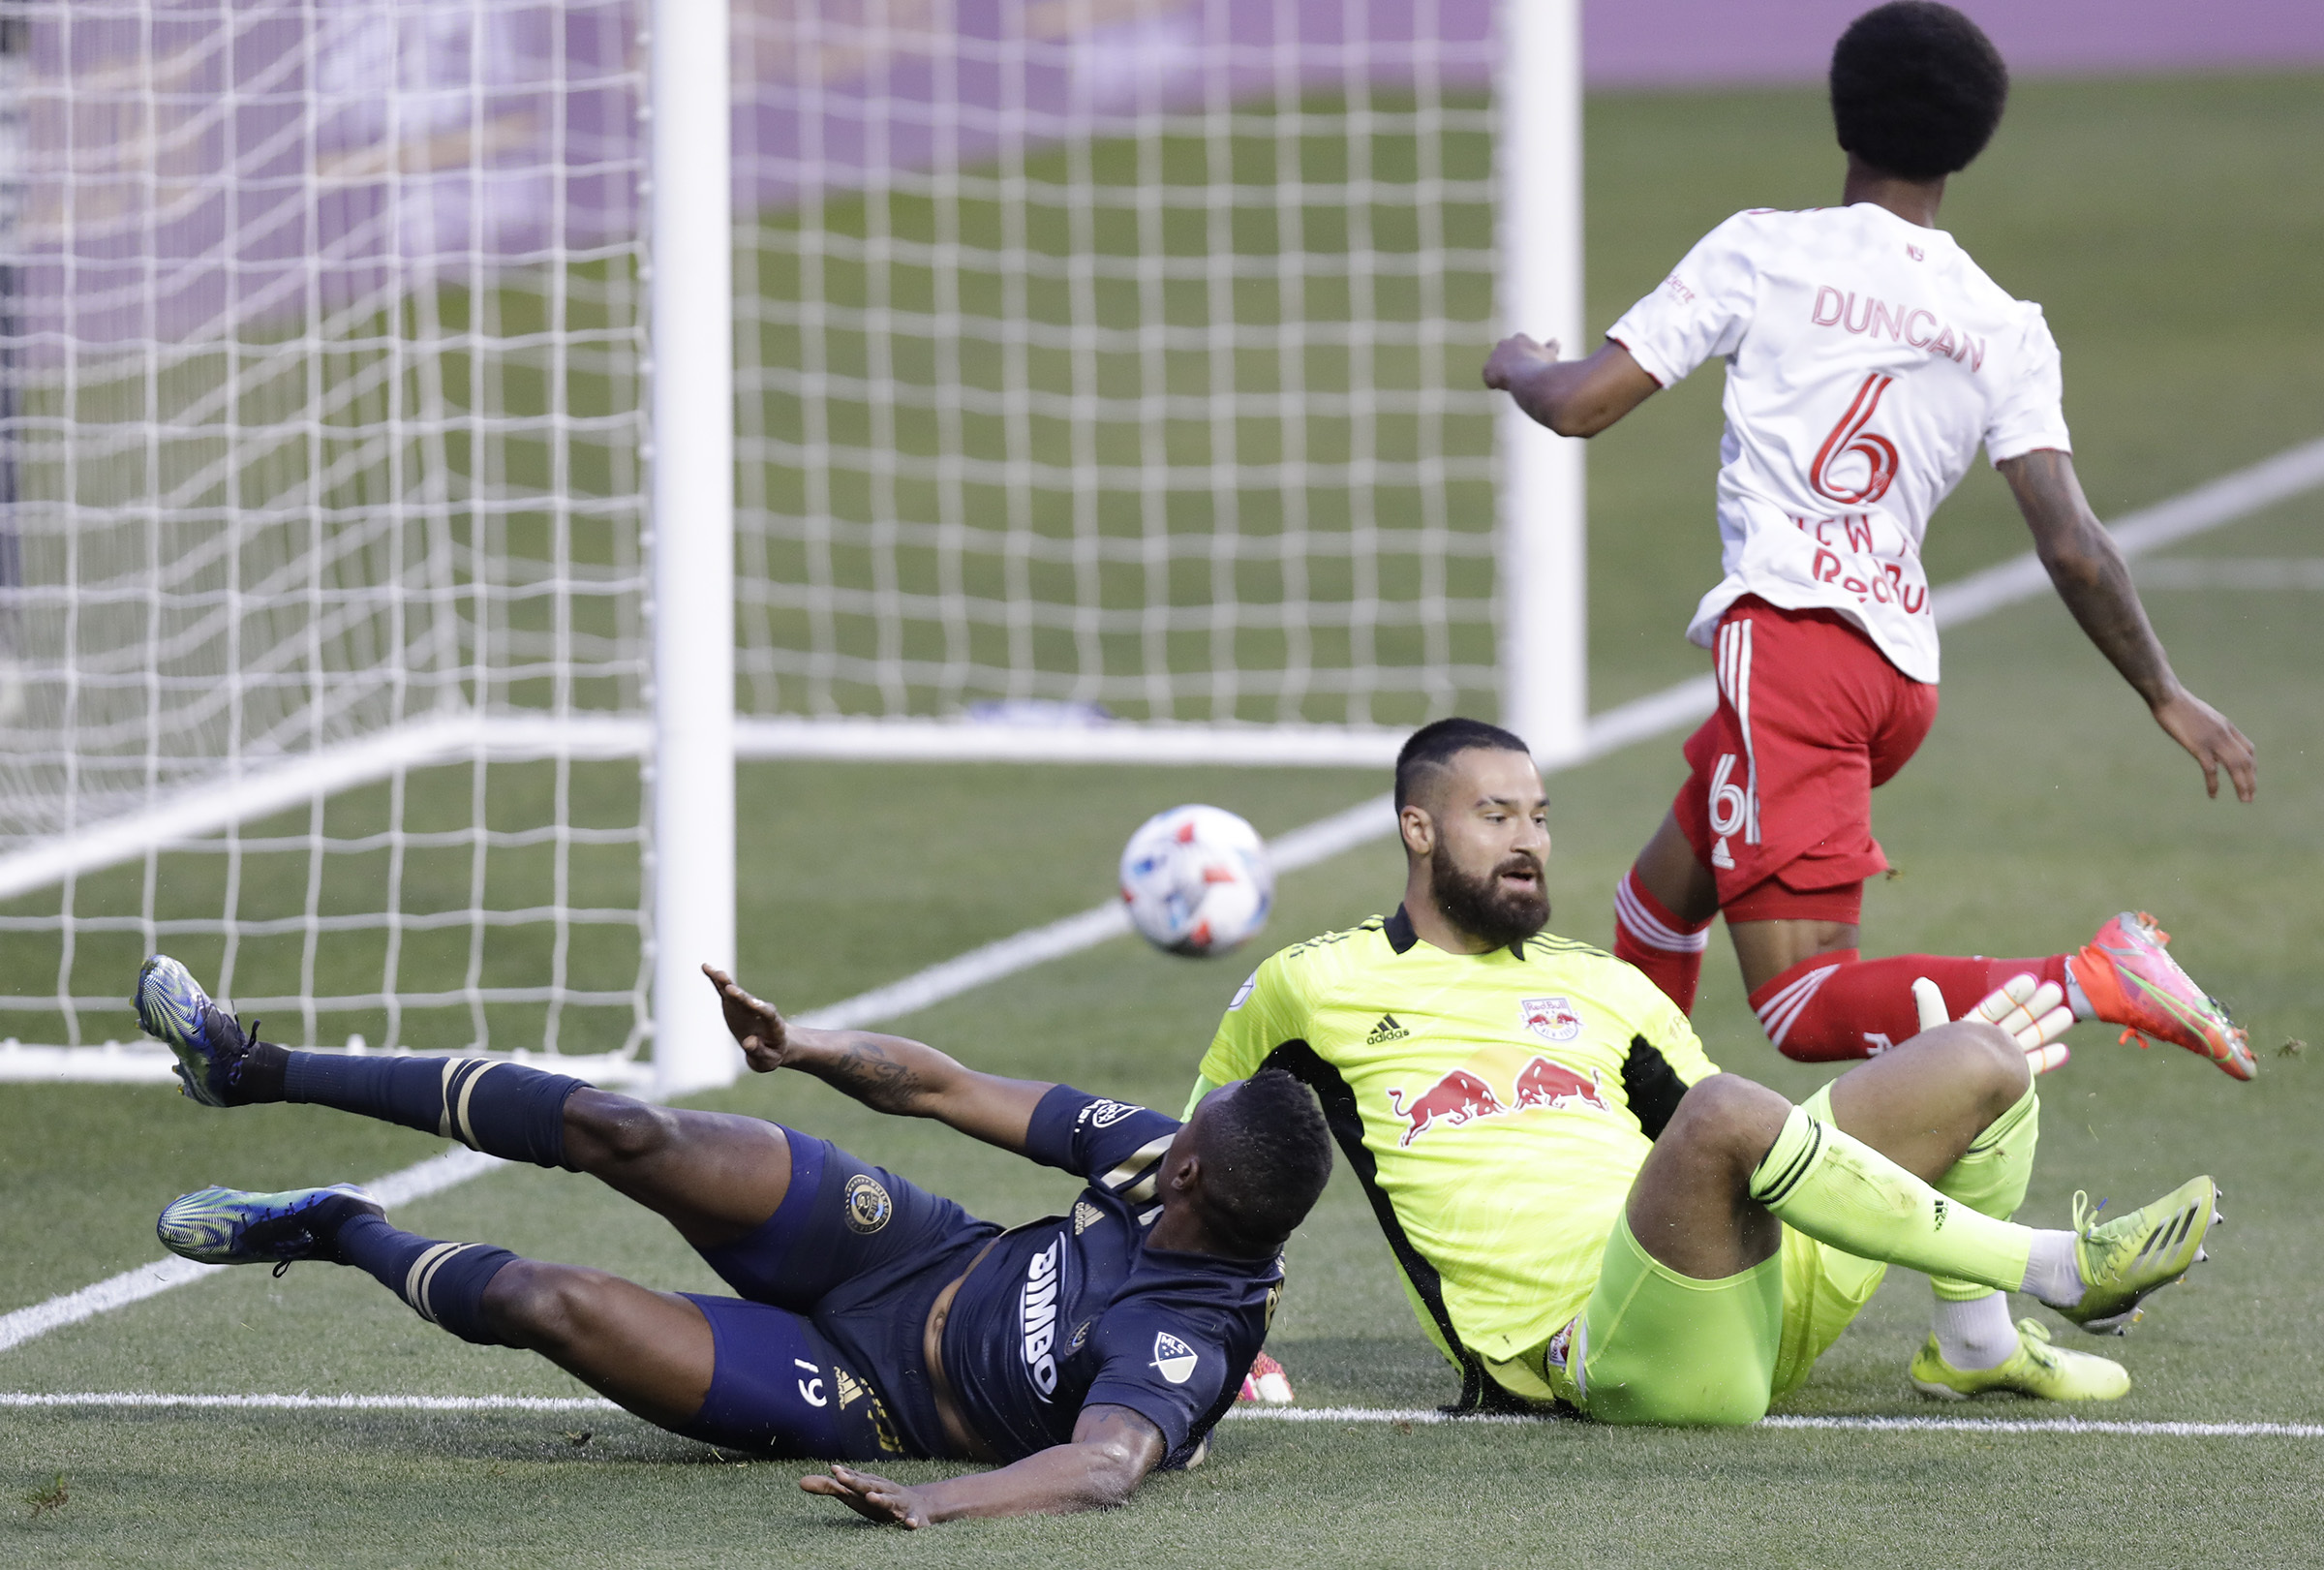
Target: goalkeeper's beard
{"x": 1485, "y": 908}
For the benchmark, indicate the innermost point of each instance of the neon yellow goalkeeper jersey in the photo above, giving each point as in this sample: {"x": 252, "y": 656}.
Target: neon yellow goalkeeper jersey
{"x": 1495, "y": 1106}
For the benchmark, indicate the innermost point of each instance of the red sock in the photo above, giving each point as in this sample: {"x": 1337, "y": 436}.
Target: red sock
{"x": 1655, "y": 941}
{"x": 1835, "y": 1005}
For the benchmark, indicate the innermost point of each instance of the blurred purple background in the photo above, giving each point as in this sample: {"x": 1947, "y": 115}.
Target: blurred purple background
{"x": 1675, "y": 43}
{"x": 179, "y": 166}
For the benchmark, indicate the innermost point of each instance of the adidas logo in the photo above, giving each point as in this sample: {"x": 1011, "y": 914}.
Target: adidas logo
{"x": 1388, "y": 1030}
{"x": 1084, "y": 1217}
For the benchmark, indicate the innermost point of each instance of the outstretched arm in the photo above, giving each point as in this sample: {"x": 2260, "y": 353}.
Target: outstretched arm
{"x": 1113, "y": 1450}
{"x": 884, "y": 1072}
{"x": 2094, "y": 582}
{"x": 1572, "y": 397}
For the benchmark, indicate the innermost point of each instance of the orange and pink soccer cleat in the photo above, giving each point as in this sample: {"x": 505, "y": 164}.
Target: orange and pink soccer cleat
{"x": 2131, "y": 981}
{"x": 1266, "y": 1384}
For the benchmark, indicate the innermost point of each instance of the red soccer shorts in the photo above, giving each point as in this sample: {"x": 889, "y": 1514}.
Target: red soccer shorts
{"x": 1778, "y": 803}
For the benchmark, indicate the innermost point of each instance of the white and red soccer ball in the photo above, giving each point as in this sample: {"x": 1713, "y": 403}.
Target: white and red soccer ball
{"x": 1197, "y": 880}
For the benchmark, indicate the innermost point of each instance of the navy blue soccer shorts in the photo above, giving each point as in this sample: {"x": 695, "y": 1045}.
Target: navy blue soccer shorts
{"x": 820, "y": 1353}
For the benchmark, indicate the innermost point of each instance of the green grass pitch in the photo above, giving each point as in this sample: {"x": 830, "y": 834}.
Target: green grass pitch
{"x": 2171, "y": 229}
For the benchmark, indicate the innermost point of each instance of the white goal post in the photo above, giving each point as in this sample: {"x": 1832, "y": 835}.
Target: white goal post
{"x": 1544, "y": 570}
{"x": 441, "y": 437}
{"x": 692, "y": 284}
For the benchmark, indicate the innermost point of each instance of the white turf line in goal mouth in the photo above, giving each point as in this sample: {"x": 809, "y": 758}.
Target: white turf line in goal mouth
{"x": 2222, "y": 501}
{"x": 415, "y": 1182}
{"x": 1409, "y": 1416}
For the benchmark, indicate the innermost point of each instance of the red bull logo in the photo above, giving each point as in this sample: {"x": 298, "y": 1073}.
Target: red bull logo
{"x": 1547, "y": 1084}
{"x": 1552, "y": 1019}
{"x": 1457, "y": 1099}
{"x": 1462, "y": 1096}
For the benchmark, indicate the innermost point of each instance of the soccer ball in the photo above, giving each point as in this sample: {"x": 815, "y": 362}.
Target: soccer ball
{"x": 1197, "y": 880}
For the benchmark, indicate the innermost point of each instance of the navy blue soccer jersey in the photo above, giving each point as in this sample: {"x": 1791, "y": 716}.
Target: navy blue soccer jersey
{"x": 1076, "y": 1310}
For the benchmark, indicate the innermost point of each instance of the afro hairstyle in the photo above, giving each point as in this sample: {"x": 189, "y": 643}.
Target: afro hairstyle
{"x": 1917, "y": 89}
{"x": 1267, "y": 1154}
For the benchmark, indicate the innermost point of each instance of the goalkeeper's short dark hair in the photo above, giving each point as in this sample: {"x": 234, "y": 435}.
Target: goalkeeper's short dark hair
{"x": 1435, "y": 745}
{"x": 1917, "y": 89}
{"x": 1266, "y": 1156}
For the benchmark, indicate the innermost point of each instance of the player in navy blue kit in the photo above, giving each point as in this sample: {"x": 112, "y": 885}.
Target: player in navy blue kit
{"x": 872, "y": 1317}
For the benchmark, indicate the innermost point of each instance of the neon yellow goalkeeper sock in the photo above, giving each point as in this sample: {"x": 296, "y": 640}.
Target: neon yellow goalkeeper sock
{"x": 1990, "y": 1179}
{"x": 1840, "y": 1191}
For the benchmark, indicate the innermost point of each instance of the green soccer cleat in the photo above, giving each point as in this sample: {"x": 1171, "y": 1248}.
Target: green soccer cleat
{"x": 233, "y": 1226}
{"x": 2037, "y": 1368}
{"x": 208, "y": 1042}
{"x": 2125, "y": 1259}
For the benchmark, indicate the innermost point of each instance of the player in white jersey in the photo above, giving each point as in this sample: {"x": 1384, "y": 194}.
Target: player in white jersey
{"x": 1867, "y": 358}
{"x": 1918, "y": 351}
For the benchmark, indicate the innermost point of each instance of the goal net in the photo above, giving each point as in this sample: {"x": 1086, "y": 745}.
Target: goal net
{"x": 323, "y": 337}
{"x": 1112, "y": 369}
{"x": 1104, "y": 386}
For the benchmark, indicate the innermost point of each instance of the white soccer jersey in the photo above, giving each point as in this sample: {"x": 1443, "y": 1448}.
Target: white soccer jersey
{"x": 1866, "y": 358}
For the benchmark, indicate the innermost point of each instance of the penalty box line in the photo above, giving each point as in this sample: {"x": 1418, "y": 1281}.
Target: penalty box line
{"x": 2236, "y": 494}
{"x": 1407, "y": 1416}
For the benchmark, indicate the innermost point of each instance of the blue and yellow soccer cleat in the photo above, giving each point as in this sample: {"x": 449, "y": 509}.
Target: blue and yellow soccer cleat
{"x": 233, "y": 1226}
{"x": 2035, "y": 1368}
{"x": 2123, "y": 1260}
{"x": 208, "y": 1041}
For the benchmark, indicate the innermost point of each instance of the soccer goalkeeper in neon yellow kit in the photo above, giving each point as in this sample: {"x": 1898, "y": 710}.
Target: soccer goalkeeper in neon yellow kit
{"x": 1586, "y": 1211}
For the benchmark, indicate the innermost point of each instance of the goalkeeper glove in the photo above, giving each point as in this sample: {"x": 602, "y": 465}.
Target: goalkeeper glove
{"x": 2033, "y": 1013}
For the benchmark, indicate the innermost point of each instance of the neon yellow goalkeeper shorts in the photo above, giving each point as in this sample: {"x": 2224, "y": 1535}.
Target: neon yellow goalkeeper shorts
{"x": 1655, "y": 1346}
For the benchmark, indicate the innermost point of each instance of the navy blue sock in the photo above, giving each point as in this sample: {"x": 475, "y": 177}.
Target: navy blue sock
{"x": 501, "y": 1109}
{"x": 444, "y": 1283}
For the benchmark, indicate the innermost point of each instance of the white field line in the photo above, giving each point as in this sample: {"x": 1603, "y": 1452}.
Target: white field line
{"x": 2208, "y": 506}
{"x": 2256, "y": 572}
{"x": 1426, "y": 1415}
{"x": 416, "y": 1181}
{"x": 2053, "y": 1425}
{"x": 1411, "y": 1415}
{"x": 1423, "y": 1415}
{"x": 304, "y": 1403}
{"x": 1300, "y": 848}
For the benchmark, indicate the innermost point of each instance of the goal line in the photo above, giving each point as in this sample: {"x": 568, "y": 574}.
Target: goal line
{"x": 1406, "y": 1416}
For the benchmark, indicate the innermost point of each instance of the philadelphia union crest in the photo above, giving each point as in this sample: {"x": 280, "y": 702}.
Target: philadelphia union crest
{"x": 867, "y": 1204}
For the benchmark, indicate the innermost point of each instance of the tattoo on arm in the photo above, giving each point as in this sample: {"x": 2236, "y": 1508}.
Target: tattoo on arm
{"x": 865, "y": 1071}
{"x": 2089, "y": 572}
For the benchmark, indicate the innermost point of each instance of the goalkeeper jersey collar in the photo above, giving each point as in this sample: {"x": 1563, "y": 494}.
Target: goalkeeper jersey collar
{"x": 1402, "y": 937}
